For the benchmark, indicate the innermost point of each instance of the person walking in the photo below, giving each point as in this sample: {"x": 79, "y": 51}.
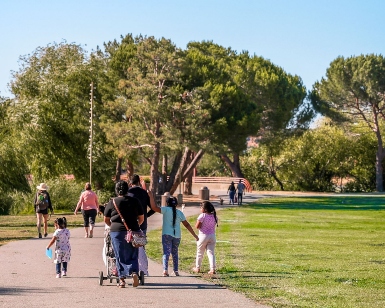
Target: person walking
{"x": 241, "y": 191}
{"x": 122, "y": 210}
{"x": 171, "y": 232}
{"x": 231, "y": 191}
{"x": 61, "y": 237}
{"x": 89, "y": 205}
{"x": 206, "y": 223}
{"x": 42, "y": 203}
{"x": 138, "y": 192}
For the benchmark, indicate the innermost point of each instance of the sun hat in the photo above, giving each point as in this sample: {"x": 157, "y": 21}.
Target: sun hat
{"x": 42, "y": 186}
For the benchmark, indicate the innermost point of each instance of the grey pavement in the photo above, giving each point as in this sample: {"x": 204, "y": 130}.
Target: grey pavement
{"x": 27, "y": 277}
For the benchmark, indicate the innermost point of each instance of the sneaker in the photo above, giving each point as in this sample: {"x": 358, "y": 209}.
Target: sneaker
{"x": 40, "y": 235}
{"x": 176, "y": 273}
{"x": 135, "y": 280}
{"x": 165, "y": 274}
{"x": 58, "y": 276}
{"x": 45, "y": 234}
{"x": 64, "y": 273}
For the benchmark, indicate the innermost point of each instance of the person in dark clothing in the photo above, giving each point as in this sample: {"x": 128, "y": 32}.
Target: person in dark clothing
{"x": 42, "y": 203}
{"x": 138, "y": 192}
{"x": 131, "y": 211}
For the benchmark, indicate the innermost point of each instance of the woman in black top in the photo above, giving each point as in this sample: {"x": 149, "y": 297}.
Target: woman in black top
{"x": 42, "y": 203}
{"x": 126, "y": 255}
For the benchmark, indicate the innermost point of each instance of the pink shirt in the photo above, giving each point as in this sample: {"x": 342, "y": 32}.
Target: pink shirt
{"x": 208, "y": 223}
{"x": 88, "y": 200}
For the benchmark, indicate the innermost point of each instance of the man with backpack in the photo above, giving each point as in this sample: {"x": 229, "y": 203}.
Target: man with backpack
{"x": 42, "y": 203}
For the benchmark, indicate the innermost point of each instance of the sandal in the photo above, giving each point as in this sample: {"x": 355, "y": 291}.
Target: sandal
{"x": 196, "y": 269}
{"x": 212, "y": 272}
{"x": 135, "y": 280}
{"x": 121, "y": 284}
{"x": 165, "y": 274}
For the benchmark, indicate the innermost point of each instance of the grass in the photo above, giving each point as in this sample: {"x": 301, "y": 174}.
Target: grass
{"x": 298, "y": 251}
{"x": 284, "y": 252}
{"x": 21, "y": 227}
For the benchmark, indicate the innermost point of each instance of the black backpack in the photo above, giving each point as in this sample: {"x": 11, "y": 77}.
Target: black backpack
{"x": 42, "y": 200}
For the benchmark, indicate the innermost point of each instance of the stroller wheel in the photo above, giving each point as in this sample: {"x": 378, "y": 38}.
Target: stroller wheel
{"x": 141, "y": 277}
{"x": 101, "y": 278}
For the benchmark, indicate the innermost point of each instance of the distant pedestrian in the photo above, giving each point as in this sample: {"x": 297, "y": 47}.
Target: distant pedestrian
{"x": 89, "y": 205}
{"x": 171, "y": 233}
{"x": 241, "y": 191}
{"x": 206, "y": 223}
{"x": 231, "y": 191}
{"x": 61, "y": 237}
{"x": 138, "y": 192}
{"x": 42, "y": 203}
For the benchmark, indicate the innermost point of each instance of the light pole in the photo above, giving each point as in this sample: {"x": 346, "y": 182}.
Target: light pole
{"x": 91, "y": 126}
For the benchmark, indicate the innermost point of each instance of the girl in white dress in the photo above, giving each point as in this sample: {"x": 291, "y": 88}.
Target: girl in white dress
{"x": 63, "y": 248}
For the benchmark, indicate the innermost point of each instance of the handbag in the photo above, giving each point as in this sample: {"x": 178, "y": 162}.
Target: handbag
{"x": 136, "y": 238}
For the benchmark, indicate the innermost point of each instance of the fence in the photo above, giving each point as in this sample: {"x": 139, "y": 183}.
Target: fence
{"x": 221, "y": 180}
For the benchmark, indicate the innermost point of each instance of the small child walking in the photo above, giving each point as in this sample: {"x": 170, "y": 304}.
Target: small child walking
{"x": 171, "y": 232}
{"x": 62, "y": 248}
{"x": 206, "y": 223}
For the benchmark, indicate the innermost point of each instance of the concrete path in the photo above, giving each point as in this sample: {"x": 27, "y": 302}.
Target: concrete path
{"x": 27, "y": 278}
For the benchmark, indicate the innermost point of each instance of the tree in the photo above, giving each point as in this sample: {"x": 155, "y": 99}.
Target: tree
{"x": 52, "y": 112}
{"x": 152, "y": 114}
{"x": 247, "y": 95}
{"x": 354, "y": 90}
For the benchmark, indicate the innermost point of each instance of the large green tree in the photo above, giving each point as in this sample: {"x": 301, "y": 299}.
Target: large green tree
{"x": 153, "y": 114}
{"x": 51, "y": 111}
{"x": 354, "y": 90}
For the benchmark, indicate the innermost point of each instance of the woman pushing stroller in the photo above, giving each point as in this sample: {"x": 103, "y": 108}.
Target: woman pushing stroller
{"x": 132, "y": 212}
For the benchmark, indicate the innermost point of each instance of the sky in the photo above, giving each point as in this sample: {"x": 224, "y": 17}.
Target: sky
{"x": 301, "y": 36}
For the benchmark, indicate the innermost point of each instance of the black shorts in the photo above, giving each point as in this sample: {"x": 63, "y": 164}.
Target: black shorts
{"x": 44, "y": 212}
{"x": 89, "y": 217}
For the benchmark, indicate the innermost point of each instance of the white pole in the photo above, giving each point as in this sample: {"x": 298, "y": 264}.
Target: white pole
{"x": 91, "y": 127}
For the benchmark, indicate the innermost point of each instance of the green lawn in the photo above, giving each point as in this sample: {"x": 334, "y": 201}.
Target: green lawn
{"x": 298, "y": 251}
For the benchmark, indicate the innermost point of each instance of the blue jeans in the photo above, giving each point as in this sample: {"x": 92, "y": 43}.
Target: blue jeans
{"x": 170, "y": 246}
{"x": 58, "y": 267}
{"x": 126, "y": 255}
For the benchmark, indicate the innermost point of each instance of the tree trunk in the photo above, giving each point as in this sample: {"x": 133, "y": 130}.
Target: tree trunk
{"x": 234, "y": 166}
{"x": 154, "y": 171}
{"x": 118, "y": 169}
{"x": 130, "y": 169}
{"x": 174, "y": 170}
{"x": 187, "y": 170}
{"x": 162, "y": 185}
{"x": 188, "y": 180}
{"x": 182, "y": 166}
{"x": 379, "y": 169}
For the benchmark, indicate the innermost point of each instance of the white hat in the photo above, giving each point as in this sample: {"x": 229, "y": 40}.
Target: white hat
{"x": 42, "y": 186}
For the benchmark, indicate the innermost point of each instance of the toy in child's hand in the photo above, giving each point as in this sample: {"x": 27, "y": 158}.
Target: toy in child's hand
{"x": 48, "y": 253}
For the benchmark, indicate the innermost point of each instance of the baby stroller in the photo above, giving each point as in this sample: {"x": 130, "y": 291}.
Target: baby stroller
{"x": 110, "y": 261}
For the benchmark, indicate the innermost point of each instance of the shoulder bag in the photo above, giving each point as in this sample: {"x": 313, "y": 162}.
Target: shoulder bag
{"x": 136, "y": 238}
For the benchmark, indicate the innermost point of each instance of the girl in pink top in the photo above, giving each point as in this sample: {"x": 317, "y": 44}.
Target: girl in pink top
{"x": 89, "y": 205}
{"x": 206, "y": 223}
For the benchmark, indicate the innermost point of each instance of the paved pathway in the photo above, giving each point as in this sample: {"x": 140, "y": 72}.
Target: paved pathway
{"x": 27, "y": 278}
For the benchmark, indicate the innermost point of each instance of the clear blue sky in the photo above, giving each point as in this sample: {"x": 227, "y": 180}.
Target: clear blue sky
{"x": 301, "y": 36}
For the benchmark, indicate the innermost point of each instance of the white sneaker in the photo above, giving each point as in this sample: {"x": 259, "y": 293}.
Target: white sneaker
{"x": 64, "y": 273}
{"x": 58, "y": 276}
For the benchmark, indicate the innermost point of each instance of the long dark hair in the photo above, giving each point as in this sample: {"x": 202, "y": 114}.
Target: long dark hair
{"x": 173, "y": 202}
{"x": 209, "y": 208}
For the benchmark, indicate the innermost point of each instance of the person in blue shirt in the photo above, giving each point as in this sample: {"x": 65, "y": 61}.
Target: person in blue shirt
{"x": 171, "y": 232}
